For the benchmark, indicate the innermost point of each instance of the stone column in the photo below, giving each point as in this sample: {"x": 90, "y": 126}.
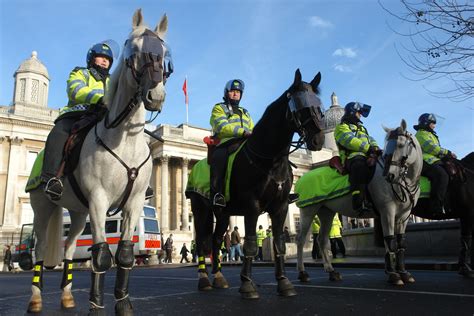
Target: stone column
{"x": 164, "y": 194}
{"x": 12, "y": 180}
{"x": 184, "y": 201}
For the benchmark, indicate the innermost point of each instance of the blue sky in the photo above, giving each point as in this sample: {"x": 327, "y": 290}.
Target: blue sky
{"x": 260, "y": 42}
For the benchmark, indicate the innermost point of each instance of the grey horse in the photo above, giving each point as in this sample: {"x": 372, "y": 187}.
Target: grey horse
{"x": 394, "y": 190}
{"x": 115, "y": 154}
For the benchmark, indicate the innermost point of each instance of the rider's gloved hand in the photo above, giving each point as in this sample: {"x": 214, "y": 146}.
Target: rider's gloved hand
{"x": 374, "y": 151}
{"x": 451, "y": 154}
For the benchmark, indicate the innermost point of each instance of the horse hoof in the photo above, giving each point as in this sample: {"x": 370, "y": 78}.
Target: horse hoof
{"x": 285, "y": 288}
{"x": 204, "y": 284}
{"x": 335, "y": 276}
{"x": 124, "y": 307}
{"x": 395, "y": 279}
{"x": 35, "y": 306}
{"x": 303, "y": 276}
{"x": 248, "y": 291}
{"x": 67, "y": 302}
{"x": 407, "y": 277}
{"x": 220, "y": 283}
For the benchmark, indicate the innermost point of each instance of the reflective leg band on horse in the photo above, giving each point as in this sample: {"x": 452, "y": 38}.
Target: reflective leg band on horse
{"x": 38, "y": 275}
{"x": 67, "y": 273}
{"x": 216, "y": 263}
{"x": 124, "y": 258}
{"x": 250, "y": 251}
{"x": 202, "y": 264}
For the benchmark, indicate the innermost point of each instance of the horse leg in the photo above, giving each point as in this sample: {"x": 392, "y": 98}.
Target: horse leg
{"x": 248, "y": 289}
{"x": 222, "y": 222}
{"x": 400, "y": 260}
{"x": 203, "y": 222}
{"x": 285, "y": 288}
{"x": 391, "y": 259}
{"x": 43, "y": 209}
{"x": 101, "y": 257}
{"x": 78, "y": 222}
{"x": 326, "y": 217}
{"x": 307, "y": 215}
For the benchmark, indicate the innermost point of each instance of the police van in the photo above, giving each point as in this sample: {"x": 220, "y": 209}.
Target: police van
{"x": 147, "y": 237}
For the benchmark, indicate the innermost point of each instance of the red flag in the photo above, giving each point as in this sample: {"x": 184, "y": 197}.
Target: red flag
{"x": 185, "y": 90}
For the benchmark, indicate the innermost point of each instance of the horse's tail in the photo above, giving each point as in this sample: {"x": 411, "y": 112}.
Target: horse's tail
{"x": 52, "y": 256}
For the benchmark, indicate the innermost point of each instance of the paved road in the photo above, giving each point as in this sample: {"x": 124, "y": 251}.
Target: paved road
{"x": 172, "y": 290}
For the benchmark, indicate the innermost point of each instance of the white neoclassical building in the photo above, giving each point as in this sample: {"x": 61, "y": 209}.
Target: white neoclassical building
{"x": 25, "y": 124}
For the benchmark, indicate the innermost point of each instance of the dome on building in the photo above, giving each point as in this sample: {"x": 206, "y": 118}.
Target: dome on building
{"x": 33, "y": 65}
{"x": 333, "y": 115}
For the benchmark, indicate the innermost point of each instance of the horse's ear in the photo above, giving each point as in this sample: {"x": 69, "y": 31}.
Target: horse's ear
{"x": 403, "y": 125}
{"x": 297, "y": 80}
{"x": 386, "y": 129}
{"x": 162, "y": 27}
{"x": 137, "y": 19}
{"x": 316, "y": 81}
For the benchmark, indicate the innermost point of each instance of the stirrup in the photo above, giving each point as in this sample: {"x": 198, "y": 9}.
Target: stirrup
{"x": 219, "y": 200}
{"x": 54, "y": 188}
{"x": 293, "y": 197}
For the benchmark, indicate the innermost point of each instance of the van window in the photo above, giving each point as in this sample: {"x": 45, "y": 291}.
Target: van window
{"x": 87, "y": 229}
{"x": 111, "y": 226}
{"x": 151, "y": 226}
{"x": 149, "y": 211}
{"x": 66, "y": 229}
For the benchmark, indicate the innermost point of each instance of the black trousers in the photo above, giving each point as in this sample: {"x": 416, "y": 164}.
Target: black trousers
{"x": 315, "y": 252}
{"x": 337, "y": 244}
{"x": 218, "y": 164}
{"x": 53, "y": 151}
{"x": 439, "y": 179}
{"x": 359, "y": 173}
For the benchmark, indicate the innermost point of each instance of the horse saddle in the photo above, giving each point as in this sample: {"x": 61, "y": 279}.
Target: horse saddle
{"x": 455, "y": 170}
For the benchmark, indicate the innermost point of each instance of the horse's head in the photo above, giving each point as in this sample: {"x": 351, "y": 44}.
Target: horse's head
{"x": 305, "y": 109}
{"x": 400, "y": 152}
{"x": 148, "y": 60}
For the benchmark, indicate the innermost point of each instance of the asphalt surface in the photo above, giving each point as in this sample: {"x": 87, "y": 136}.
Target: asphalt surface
{"x": 172, "y": 290}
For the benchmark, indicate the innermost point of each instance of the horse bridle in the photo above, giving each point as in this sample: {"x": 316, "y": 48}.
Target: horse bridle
{"x": 152, "y": 50}
{"x": 407, "y": 191}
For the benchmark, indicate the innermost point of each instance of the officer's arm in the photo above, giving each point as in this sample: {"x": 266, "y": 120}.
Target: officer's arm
{"x": 221, "y": 125}
{"x": 78, "y": 90}
{"x": 346, "y": 138}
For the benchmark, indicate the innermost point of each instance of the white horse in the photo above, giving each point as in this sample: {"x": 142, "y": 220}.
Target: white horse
{"x": 114, "y": 170}
{"x": 394, "y": 190}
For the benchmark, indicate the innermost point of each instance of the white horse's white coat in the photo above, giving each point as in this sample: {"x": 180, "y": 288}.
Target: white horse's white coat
{"x": 394, "y": 213}
{"x": 100, "y": 175}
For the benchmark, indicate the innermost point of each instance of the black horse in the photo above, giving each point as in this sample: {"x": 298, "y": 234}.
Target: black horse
{"x": 461, "y": 202}
{"x": 261, "y": 181}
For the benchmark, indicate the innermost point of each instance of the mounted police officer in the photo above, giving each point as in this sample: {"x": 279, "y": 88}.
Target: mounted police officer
{"x": 230, "y": 124}
{"x": 432, "y": 163}
{"x": 86, "y": 87}
{"x": 355, "y": 146}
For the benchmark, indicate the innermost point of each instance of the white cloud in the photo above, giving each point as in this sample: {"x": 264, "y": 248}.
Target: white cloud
{"x": 342, "y": 68}
{"x": 316, "y": 21}
{"x": 345, "y": 52}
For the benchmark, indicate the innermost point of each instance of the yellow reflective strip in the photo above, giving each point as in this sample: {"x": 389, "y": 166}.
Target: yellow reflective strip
{"x": 69, "y": 276}
{"x": 201, "y": 258}
{"x": 36, "y": 279}
{"x": 202, "y": 266}
{"x": 37, "y": 268}
{"x": 69, "y": 266}
{"x": 219, "y": 265}
{"x": 356, "y": 192}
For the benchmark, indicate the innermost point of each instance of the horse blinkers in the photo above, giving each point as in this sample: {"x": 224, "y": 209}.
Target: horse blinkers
{"x": 150, "y": 64}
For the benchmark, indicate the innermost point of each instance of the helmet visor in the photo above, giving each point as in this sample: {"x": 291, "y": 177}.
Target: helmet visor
{"x": 364, "y": 109}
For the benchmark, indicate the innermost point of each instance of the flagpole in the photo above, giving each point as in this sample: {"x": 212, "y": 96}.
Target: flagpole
{"x": 186, "y": 100}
